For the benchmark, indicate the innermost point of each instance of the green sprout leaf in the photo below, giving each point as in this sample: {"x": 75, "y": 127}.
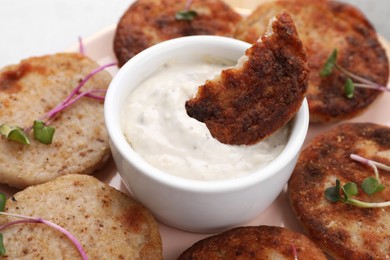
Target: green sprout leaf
{"x": 185, "y": 15}
{"x": 2, "y": 201}
{"x": 350, "y": 189}
{"x": 371, "y": 185}
{"x": 14, "y": 133}
{"x": 333, "y": 193}
{"x": 2, "y": 248}
{"x": 330, "y": 63}
{"x": 349, "y": 88}
{"x": 5, "y": 129}
{"x": 18, "y": 135}
{"x": 2, "y": 208}
{"x": 42, "y": 132}
{"x": 341, "y": 193}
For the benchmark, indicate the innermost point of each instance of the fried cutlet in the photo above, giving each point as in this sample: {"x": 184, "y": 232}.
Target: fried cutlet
{"x": 343, "y": 231}
{"x": 107, "y": 223}
{"x": 324, "y": 26}
{"x": 148, "y": 22}
{"x": 254, "y": 242}
{"x": 30, "y": 89}
{"x": 247, "y": 103}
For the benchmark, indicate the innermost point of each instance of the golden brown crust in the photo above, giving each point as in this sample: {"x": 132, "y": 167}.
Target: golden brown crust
{"x": 343, "y": 231}
{"x": 148, "y": 22}
{"x": 322, "y": 27}
{"x": 107, "y": 223}
{"x": 256, "y": 242}
{"x": 30, "y": 89}
{"x": 248, "y": 103}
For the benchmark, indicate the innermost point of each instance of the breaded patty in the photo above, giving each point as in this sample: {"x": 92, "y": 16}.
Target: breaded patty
{"x": 247, "y": 103}
{"x": 254, "y": 242}
{"x": 107, "y": 223}
{"x": 322, "y": 27}
{"x": 30, "y": 89}
{"x": 148, "y": 22}
{"x": 344, "y": 231}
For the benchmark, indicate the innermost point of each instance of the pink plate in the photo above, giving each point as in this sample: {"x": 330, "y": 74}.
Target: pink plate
{"x": 99, "y": 48}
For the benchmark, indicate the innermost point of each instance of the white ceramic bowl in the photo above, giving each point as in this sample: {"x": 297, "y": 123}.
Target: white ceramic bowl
{"x": 199, "y": 206}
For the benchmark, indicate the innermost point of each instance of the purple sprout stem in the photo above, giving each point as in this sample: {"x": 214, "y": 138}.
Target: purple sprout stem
{"x": 82, "y": 83}
{"x": 294, "y": 250}
{"x": 89, "y": 93}
{"x": 27, "y": 219}
{"x": 188, "y": 5}
{"x": 376, "y": 87}
{"x": 75, "y": 92}
{"x": 366, "y": 83}
{"x": 374, "y": 165}
{"x": 28, "y": 129}
{"x": 81, "y": 46}
{"x": 366, "y": 161}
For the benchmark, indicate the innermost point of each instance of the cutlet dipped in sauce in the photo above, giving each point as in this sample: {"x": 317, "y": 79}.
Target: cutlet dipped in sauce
{"x": 157, "y": 126}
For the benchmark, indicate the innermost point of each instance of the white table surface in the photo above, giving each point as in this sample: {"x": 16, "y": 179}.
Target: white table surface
{"x": 38, "y": 27}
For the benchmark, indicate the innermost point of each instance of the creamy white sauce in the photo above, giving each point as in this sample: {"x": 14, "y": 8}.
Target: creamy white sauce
{"x": 158, "y": 128}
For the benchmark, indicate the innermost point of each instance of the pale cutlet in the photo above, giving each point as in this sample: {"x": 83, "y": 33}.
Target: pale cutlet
{"x": 324, "y": 26}
{"x": 148, "y": 22}
{"x": 247, "y": 103}
{"x": 107, "y": 223}
{"x": 254, "y": 242}
{"x": 30, "y": 89}
{"x": 343, "y": 231}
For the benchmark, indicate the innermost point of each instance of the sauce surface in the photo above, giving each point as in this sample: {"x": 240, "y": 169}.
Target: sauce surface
{"x": 158, "y": 128}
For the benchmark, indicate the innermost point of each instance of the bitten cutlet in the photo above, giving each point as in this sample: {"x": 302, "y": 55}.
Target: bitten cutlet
{"x": 249, "y": 102}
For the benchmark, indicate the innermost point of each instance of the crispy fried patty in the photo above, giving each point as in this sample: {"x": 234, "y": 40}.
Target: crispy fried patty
{"x": 107, "y": 223}
{"x": 247, "y": 103}
{"x": 344, "y": 231}
{"x": 30, "y": 89}
{"x": 254, "y": 242}
{"x": 322, "y": 27}
{"x": 148, "y": 22}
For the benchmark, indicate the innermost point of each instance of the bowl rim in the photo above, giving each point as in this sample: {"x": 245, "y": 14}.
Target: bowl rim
{"x": 298, "y": 129}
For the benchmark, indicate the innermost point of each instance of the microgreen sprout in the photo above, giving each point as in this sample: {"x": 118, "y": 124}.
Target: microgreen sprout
{"x": 352, "y": 80}
{"x": 2, "y": 208}
{"x": 27, "y": 219}
{"x": 43, "y": 132}
{"x": 187, "y": 14}
{"x": 294, "y": 251}
{"x": 2, "y": 248}
{"x": 370, "y": 185}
